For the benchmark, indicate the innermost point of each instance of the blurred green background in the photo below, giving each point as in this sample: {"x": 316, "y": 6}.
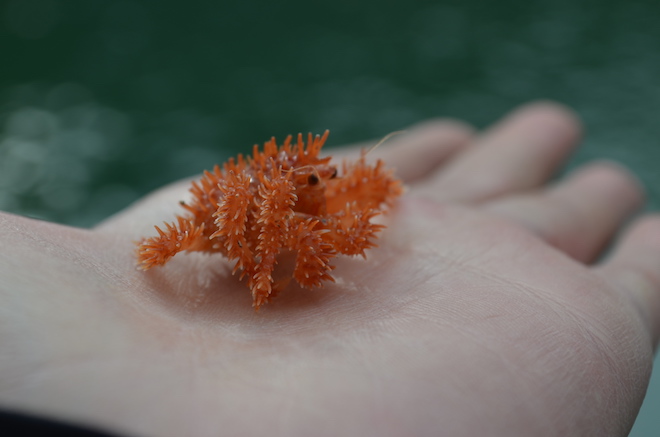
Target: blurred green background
{"x": 102, "y": 101}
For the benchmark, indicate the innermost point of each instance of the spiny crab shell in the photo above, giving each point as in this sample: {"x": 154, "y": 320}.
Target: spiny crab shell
{"x": 281, "y": 198}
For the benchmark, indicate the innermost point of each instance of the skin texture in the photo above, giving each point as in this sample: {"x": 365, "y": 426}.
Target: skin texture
{"x": 483, "y": 311}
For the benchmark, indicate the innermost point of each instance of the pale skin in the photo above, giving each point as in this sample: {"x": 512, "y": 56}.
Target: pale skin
{"x": 482, "y": 312}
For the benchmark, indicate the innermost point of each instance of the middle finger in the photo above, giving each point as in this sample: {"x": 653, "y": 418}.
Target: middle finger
{"x": 518, "y": 153}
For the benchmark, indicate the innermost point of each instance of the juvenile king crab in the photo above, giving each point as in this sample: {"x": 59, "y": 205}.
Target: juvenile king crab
{"x": 281, "y": 198}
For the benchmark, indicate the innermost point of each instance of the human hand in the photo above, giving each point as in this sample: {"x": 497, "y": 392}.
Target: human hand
{"x": 481, "y": 313}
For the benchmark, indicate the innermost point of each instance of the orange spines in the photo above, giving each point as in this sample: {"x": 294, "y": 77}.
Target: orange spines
{"x": 351, "y": 230}
{"x": 205, "y": 195}
{"x": 367, "y": 185}
{"x": 314, "y": 254}
{"x": 231, "y": 219}
{"x": 281, "y": 198}
{"x": 276, "y": 199}
{"x": 179, "y": 236}
{"x": 314, "y": 145}
{"x": 236, "y": 165}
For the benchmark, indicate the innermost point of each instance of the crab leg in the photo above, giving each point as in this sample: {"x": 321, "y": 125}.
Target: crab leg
{"x": 314, "y": 254}
{"x": 276, "y": 199}
{"x": 351, "y": 230}
{"x": 231, "y": 220}
{"x": 179, "y": 236}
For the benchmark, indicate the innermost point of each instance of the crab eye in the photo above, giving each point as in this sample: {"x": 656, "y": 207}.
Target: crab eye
{"x": 334, "y": 173}
{"x": 312, "y": 179}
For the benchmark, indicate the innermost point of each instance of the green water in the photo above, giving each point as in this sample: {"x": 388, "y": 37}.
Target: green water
{"x": 102, "y": 101}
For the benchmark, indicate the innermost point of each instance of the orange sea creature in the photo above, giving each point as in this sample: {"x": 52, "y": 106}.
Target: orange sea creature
{"x": 281, "y": 199}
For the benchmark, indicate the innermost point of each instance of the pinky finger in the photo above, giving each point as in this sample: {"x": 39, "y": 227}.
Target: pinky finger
{"x": 635, "y": 267}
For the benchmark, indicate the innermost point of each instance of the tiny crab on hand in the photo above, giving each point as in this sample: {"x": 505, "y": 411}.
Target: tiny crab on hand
{"x": 284, "y": 198}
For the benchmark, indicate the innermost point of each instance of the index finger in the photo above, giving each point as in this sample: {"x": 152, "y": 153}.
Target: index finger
{"x": 417, "y": 152}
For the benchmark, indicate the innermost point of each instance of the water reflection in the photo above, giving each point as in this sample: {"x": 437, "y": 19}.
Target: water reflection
{"x": 49, "y": 155}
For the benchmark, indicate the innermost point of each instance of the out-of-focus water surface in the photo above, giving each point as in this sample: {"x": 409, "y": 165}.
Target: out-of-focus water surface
{"x": 102, "y": 101}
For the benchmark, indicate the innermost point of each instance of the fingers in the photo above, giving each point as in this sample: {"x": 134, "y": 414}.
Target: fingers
{"x": 635, "y": 267}
{"x": 580, "y": 214}
{"x": 520, "y": 152}
{"x": 419, "y": 152}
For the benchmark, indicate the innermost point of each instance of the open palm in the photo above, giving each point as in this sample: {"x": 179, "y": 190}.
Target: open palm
{"x": 480, "y": 313}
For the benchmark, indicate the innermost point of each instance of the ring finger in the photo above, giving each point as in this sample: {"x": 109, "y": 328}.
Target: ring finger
{"x": 579, "y": 214}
